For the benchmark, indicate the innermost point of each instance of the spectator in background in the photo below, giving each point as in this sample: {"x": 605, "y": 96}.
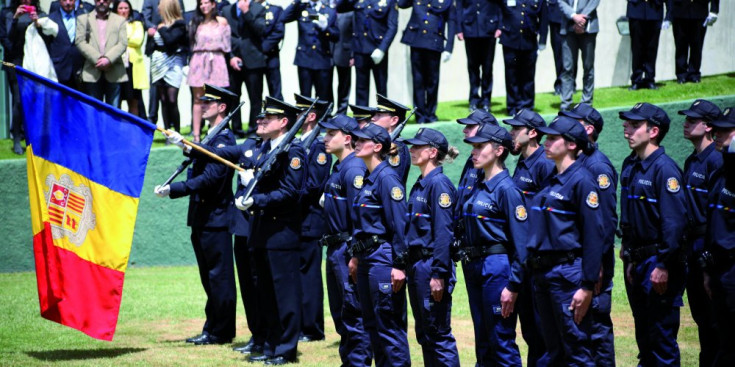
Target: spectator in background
{"x": 274, "y": 31}
{"x": 209, "y": 35}
{"x": 555, "y": 20}
{"x": 14, "y": 20}
{"x": 167, "y": 60}
{"x": 343, "y": 61}
{"x": 131, "y": 90}
{"x": 691, "y": 19}
{"x": 646, "y": 20}
{"x": 578, "y": 33}
{"x": 102, "y": 39}
{"x": 80, "y": 7}
{"x": 64, "y": 54}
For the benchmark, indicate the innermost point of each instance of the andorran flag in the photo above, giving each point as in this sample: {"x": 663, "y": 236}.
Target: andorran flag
{"x": 86, "y": 164}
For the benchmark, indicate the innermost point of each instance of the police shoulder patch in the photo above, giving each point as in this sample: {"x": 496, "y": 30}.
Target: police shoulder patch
{"x": 445, "y": 200}
{"x": 321, "y": 159}
{"x": 603, "y": 181}
{"x": 396, "y": 193}
{"x": 672, "y": 184}
{"x": 295, "y": 163}
{"x": 357, "y": 182}
{"x": 593, "y": 201}
{"x": 248, "y": 153}
{"x": 521, "y": 213}
{"x": 394, "y": 160}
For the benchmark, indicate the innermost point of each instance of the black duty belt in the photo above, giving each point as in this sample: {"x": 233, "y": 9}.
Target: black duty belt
{"x": 547, "y": 260}
{"x": 334, "y": 239}
{"x": 478, "y": 252}
{"x": 639, "y": 254}
{"x": 698, "y": 231}
{"x": 366, "y": 244}
{"x": 416, "y": 253}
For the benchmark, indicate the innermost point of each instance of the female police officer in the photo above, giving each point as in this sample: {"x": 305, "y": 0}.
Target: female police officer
{"x": 428, "y": 237}
{"x": 378, "y": 247}
{"x": 495, "y": 222}
{"x": 565, "y": 246}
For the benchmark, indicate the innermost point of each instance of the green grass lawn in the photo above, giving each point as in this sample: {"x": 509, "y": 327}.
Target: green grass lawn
{"x": 164, "y": 305}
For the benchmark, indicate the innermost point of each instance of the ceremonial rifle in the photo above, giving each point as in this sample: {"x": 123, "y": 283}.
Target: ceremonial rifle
{"x": 399, "y": 128}
{"x": 317, "y": 130}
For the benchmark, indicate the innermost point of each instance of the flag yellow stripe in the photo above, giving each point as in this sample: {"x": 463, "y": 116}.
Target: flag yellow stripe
{"x": 108, "y": 242}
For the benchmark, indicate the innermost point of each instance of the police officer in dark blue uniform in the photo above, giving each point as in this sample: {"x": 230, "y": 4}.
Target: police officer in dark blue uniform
{"x": 720, "y": 240}
{"x": 698, "y": 168}
{"x": 523, "y": 29}
{"x": 209, "y": 187}
{"x": 477, "y": 26}
{"x": 362, "y": 114}
{"x": 378, "y": 265}
{"x": 565, "y": 246}
{"x": 604, "y": 173}
{"x": 646, "y": 19}
{"x": 375, "y": 24}
{"x": 532, "y": 173}
{"x": 275, "y": 234}
{"x": 317, "y": 30}
{"x": 556, "y": 19}
{"x": 470, "y": 175}
{"x": 343, "y": 59}
{"x": 690, "y": 21}
{"x": 344, "y": 183}
{"x": 314, "y": 224}
{"x": 429, "y": 233}
{"x": 388, "y": 114}
{"x": 653, "y": 217}
{"x": 495, "y": 221}
{"x": 272, "y": 41}
{"x": 430, "y": 34}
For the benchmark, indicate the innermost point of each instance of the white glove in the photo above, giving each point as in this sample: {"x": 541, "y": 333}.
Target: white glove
{"x": 711, "y": 19}
{"x": 246, "y": 176}
{"x": 731, "y": 149}
{"x": 665, "y": 25}
{"x": 321, "y": 201}
{"x": 541, "y": 46}
{"x": 446, "y": 55}
{"x": 243, "y": 204}
{"x": 162, "y": 191}
{"x": 377, "y": 56}
{"x": 175, "y": 138}
{"x": 321, "y": 22}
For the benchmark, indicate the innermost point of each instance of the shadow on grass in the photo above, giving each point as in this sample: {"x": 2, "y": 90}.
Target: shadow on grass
{"x": 81, "y": 354}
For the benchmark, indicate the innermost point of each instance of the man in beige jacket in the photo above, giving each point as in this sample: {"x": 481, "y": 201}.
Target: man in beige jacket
{"x": 102, "y": 39}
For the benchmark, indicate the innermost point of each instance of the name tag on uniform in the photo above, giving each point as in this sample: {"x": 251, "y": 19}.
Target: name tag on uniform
{"x": 511, "y": 3}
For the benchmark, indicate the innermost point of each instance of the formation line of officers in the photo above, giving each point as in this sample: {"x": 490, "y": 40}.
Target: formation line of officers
{"x": 537, "y": 244}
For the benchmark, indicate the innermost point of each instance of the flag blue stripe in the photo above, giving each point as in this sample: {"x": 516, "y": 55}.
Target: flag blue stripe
{"x": 93, "y": 139}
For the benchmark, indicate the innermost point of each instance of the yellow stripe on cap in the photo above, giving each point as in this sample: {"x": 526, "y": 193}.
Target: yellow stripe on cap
{"x": 274, "y": 111}
{"x": 303, "y": 105}
{"x": 391, "y": 109}
{"x": 207, "y": 95}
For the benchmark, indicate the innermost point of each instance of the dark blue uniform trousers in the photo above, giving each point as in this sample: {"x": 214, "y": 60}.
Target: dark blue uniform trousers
{"x": 603, "y": 340}
{"x": 520, "y": 70}
{"x": 363, "y": 66}
{"x": 555, "y": 41}
{"x": 247, "y": 278}
{"x": 344, "y": 82}
{"x": 702, "y": 307}
{"x": 567, "y": 343}
{"x": 656, "y": 316}
{"x": 253, "y": 79}
{"x": 644, "y": 35}
{"x": 273, "y": 79}
{"x": 312, "y": 296}
{"x": 689, "y": 40}
{"x": 354, "y": 344}
{"x": 480, "y": 55}
{"x": 213, "y": 251}
{"x": 495, "y": 336}
{"x": 433, "y": 319}
{"x": 383, "y": 312}
{"x": 425, "y": 72}
{"x": 530, "y": 321}
{"x": 722, "y": 284}
{"x": 320, "y": 80}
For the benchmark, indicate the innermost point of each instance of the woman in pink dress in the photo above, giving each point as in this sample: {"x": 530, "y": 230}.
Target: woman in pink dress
{"x": 210, "y": 41}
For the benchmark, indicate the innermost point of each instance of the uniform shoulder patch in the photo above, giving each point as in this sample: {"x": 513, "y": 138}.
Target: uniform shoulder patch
{"x": 295, "y": 163}
{"x": 357, "y": 182}
{"x": 248, "y": 153}
{"x": 445, "y": 200}
{"x": 593, "y": 201}
{"x": 396, "y": 193}
{"x": 394, "y": 160}
{"x": 521, "y": 213}
{"x": 603, "y": 181}
{"x": 672, "y": 184}
{"x": 221, "y": 145}
{"x": 321, "y": 159}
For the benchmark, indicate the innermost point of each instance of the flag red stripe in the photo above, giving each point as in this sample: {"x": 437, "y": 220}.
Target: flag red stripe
{"x": 77, "y": 208}
{"x": 76, "y": 200}
{"x": 75, "y": 292}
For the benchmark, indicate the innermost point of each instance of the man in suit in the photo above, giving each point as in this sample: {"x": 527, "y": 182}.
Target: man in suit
{"x": 477, "y": 25}
{"x": 343, "y": 60}
{"x": 246, "y": 59}
{"x": 271, "y": 46}
{"x": 79, "y": 7}
{"x": 103, "y": 69}
{"x": 317, "y": 30}
{"x": 64, "y": 54}
{"x": 578, "y": 33}
{"x": 691, "y": 19}
{"x": 646, "y": 19}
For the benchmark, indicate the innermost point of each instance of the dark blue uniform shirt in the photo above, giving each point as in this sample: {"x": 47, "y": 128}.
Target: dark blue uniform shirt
{"x": 603, "y": 172}
{"x": 317, "y": 173}
{"x": 375, "y": 23}
{"x": 721, "y": 214}
{"x": 697, "y": 171}
{"x": 430, "y": 219}
{"x": 314, "y": 49}
{"x": 401, "y": 162}
{"x": 432, "y": 23}
{"x": 467, "y": 182}
{"x": 532, "y": 174}
{"x": 524, "y": 25}
{"x": 566, "y": 217}
{"x": 648, "y": 9}
{"x": 478, "y": 18}
{"x": 380, "y": 208}
{"x": 342, "y": 187}
{"x": 496, "y": 214}
{"x": 653, "y": 204}
{"x": 274, "y": 32}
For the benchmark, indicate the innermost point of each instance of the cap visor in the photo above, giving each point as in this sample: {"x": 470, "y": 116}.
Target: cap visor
{"x": 466, "y": 121}
{"x": 476, "y": 139}
{"x": 629, "y": 115}
{"x": 329, "y": 125}
{"x": 722, "y": 124}
{"x": 414, "y": 141}
{"x": 362, "y": 134}
{"x": 515, "y": 122}
{"x": 571, "y": 114}
{"x": 690, "y": 113}
{"x": 547, "y": 130}
{"x": 207, "y": 99}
